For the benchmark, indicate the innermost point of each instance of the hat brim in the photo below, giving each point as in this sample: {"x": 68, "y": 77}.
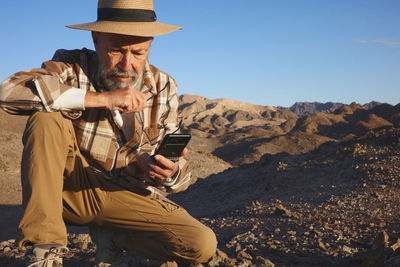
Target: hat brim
{"x": 145, "y": 29}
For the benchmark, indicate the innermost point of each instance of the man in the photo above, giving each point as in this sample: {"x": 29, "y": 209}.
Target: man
{"x": 96, "y": 117}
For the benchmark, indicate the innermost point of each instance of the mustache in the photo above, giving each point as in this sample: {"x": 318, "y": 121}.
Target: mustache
{"x": 115, "y": 72}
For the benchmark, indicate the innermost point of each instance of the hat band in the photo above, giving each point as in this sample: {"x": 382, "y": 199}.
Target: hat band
{"x": 126, "y": 15}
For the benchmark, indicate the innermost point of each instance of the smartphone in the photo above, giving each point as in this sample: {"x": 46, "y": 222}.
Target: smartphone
{"x": 172, "y": 146}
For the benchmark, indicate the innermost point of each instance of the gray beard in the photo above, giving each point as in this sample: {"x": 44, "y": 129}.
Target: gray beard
{"x": 111, "y": 84}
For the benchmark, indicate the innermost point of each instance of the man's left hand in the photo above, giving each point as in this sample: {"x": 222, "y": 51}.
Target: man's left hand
{"x": 157, "y": 167}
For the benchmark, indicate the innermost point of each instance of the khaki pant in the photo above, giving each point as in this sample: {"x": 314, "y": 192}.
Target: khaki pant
{"x": 58, "y": 185}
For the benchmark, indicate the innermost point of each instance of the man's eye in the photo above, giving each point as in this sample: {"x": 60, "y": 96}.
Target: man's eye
{"x": 115, "y": 52}
{"x": 139, "y": 52}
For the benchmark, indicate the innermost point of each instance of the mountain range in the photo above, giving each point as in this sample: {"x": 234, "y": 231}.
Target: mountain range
{"x": 308, "y": 108}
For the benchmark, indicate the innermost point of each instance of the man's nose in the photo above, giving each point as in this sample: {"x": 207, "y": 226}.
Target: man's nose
{"x": 126, "y": 62}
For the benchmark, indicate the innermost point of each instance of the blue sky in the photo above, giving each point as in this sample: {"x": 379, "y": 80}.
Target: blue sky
{"x": 259, "y": 51}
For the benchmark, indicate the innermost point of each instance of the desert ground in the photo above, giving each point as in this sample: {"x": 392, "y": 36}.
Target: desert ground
{"x": 314, "y": 185}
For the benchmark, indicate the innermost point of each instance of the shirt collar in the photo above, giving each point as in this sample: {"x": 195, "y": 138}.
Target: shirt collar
{"x": 149, "y": 84}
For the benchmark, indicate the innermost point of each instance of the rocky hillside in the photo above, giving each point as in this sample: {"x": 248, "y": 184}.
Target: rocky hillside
{"x": 241, "y": 133}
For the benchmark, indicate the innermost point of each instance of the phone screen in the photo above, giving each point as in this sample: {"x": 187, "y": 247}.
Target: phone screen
{"x": 172, "y": 145}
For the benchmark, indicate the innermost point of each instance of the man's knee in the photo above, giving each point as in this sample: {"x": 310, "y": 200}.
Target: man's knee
{"x": 43, "y": 120}
{"x": 48, "y": 137}
{"x": 46, "y": 124}
{"x": 204, "y": 245}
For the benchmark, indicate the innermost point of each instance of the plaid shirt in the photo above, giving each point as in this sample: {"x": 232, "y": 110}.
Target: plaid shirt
{"x": 100, "y": 140}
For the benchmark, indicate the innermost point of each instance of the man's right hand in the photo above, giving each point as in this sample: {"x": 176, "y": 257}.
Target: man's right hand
{"x": 125, "y": 100}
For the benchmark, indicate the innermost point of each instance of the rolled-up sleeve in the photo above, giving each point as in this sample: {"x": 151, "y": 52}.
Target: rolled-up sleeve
{"x": 39, "y": 89}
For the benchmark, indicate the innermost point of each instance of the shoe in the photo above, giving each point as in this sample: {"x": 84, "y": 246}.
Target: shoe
{"x": 46, "y": 255}
{"x": 107, "y": 253}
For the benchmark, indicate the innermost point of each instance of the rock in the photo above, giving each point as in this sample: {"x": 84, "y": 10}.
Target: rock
{"x": 291, "y": 232}
{"x": 174, "y": 264}
{"x": 244, "y": 255}
{"x": 82, "y": 245}
{"x": 396, "y": 245}
{"x": 280, "y": 210}
{"x": 244, "y": 263}
{"x": 220, "y": 259}
{"x": 349, "y": 250}
{"x": 321, "y": 245}
{"x": 7, "y": 250}
{"x": 262, "y": 262}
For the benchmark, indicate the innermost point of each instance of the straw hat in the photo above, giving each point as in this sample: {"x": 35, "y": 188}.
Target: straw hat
{"x": 128, "y": 17}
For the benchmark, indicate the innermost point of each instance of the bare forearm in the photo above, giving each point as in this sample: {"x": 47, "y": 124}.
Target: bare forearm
{"x": 125, "y": 100}
{"x": 96, "y": 100}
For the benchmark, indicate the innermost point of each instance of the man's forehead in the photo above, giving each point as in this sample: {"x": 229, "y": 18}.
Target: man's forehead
{"x": 118, "y": 40}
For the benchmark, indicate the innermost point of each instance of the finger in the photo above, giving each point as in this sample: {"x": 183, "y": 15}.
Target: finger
{"x": 164, "y": 162}
{"x": 153, "y": 167}
{"x": 184, "y": 152}
{"x": 156, "y": 169}
{"x": 155, "y": 175}
{"x": 165, "y": 166}
{"x": 145, "y": 163}
{"x": 160, "y": 173}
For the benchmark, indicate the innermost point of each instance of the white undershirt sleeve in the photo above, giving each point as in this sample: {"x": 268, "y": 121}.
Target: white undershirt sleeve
{"x": 72, "y": 99}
